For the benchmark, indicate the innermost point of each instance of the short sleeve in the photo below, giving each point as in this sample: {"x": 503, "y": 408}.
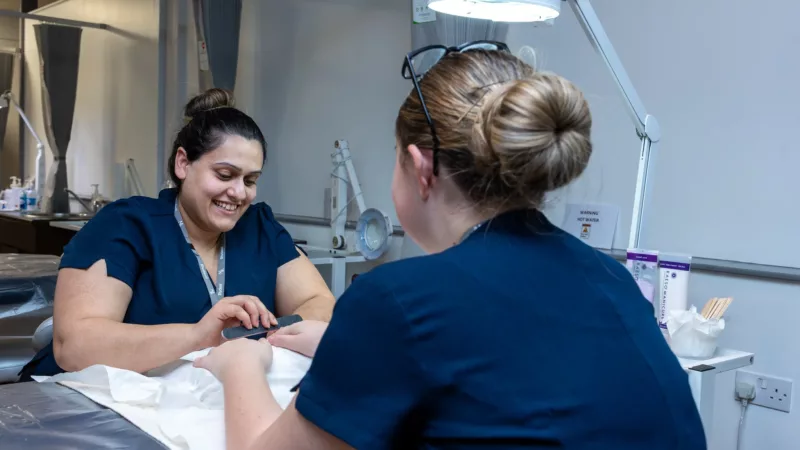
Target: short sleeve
{"x": 364, "y": 381}
{"x": 282, "y": 241}
{"x": 116, "y": 235}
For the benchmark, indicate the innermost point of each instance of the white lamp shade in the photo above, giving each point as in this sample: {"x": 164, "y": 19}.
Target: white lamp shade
{"x": 500, "y": 10}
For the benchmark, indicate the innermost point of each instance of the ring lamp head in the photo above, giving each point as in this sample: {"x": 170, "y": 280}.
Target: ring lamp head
{"x": 373, "y": 234}
{"x": 500, "y": 10}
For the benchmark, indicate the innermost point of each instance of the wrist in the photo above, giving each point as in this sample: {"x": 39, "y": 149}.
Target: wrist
{"x": 241, "y": 368}
{"x": 199, "y": 338}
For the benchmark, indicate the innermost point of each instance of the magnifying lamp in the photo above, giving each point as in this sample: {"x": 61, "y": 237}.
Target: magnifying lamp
{"x": 373, "y": 234}
{"x": 500, "y": 10}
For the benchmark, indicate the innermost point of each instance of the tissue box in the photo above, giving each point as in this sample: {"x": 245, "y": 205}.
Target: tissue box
{"x": 692, "y": 335}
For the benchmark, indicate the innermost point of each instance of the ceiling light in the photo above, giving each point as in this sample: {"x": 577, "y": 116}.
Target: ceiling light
{"x": 500, "y": 10}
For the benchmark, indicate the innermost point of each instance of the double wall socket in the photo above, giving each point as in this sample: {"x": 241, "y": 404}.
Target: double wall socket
{"x": 771, "y": 392}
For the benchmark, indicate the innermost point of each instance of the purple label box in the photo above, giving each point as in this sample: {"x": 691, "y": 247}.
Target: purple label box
{"x": 675, "y": 265}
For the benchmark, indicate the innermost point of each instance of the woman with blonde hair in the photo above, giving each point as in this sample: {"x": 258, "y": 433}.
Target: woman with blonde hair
{"x": 511, "y": 333}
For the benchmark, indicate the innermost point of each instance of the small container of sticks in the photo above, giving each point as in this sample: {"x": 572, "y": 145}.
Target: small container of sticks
{"x": 694, "y": 335}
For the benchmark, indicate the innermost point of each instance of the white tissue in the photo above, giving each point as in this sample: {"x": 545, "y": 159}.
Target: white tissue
{"x": 179, "y": 405}
{"x": 692, "y": 335}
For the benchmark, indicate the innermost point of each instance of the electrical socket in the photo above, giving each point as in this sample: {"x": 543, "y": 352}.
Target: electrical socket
{"x": 771, "y": 392}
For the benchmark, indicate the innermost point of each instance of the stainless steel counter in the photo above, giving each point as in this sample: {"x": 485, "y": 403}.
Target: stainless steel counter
{"x": 17, "y": 215}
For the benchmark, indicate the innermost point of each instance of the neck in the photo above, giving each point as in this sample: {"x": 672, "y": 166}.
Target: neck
{"x": 201, "y": 239}
{"x": 455, "y": 225}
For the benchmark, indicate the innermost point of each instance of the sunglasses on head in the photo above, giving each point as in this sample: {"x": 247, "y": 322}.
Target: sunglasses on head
{"x": 420, "y": 61}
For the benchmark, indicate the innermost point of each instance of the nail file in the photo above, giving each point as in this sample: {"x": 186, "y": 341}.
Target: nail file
{"x": 260, "y": 331}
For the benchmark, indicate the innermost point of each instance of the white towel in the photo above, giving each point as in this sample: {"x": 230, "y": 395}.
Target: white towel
{"x": 177, "y": 404}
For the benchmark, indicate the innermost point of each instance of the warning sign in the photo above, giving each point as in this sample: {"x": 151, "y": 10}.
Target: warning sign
{"x": 586, "y": 229}
{"x": 595, "y": 224}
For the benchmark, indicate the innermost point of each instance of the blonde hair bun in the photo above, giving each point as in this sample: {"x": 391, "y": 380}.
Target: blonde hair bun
{"x": 533, "y": 135}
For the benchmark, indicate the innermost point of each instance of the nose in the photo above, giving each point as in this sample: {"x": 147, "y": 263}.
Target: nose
{"x": 237, "y": 190}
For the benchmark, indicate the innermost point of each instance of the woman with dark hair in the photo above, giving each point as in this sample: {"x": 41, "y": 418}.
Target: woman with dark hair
{"x": 147, "y": 281}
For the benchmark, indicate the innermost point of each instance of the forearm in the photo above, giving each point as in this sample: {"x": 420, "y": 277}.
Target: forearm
{"x": 133, "y": 347}
{"x": 250, "y": 407}
{"x": 317, "y": 308}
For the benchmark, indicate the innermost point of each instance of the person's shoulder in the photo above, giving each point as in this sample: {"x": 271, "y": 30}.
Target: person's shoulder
{"x": 259, "y": 216}
{"x": 420, "y": 274}
{"x": 260, "y": 209}
{"x": 130, "y": 215}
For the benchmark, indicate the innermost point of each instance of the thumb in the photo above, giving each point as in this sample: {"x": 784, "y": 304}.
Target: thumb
{"x": 291, "y": 330}
{"x": 283, "y": 340}
{"x": 199, "y": 362}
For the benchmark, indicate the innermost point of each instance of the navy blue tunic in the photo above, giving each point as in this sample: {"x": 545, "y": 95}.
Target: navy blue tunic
{"x": 520, "y": 337}
{"x": 143, "y": 247}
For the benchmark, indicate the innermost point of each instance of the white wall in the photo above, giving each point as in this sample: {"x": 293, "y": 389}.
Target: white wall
{"x": 116, "y": 107}
{"x": 722, "y": 83}
{"x": 312, "y": 72}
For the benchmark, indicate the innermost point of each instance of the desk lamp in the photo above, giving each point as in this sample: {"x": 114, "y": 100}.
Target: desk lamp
{"x": 7, "y": 100}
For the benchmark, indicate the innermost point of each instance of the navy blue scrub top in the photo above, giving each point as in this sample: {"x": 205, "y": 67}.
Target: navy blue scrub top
{"x": 144, "y": 248}
{"x": 520, "y": 337}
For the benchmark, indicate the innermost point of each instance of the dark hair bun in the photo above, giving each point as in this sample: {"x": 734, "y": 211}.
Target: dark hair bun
{"x": 211, "y": 99}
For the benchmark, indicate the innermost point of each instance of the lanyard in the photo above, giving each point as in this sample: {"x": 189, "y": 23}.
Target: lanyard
{"x": 214, "y": 295}
{"x": 470, "y": 231}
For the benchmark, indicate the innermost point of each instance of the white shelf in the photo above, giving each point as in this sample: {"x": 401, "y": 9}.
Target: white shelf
{"x": 723, "y": 361}
{"x": 322, "y": 258}
{"x": 702, "y": 380}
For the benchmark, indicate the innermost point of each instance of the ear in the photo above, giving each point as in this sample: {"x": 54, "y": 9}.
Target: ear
{"x": 422, "y": 162}
{"x": 181, "y": 164}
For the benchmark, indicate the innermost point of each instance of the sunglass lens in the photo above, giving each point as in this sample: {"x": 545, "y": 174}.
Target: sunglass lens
{"x": 480, "y": 46}
{"x": 427, "y": 59}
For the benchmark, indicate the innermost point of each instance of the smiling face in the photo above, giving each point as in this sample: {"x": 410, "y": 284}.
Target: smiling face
{"x": 217, "y": 188}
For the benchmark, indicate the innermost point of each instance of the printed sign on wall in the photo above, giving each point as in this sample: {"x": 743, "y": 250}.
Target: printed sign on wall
{"x": 422, "y": 13}
{"x": 594, "y": 224}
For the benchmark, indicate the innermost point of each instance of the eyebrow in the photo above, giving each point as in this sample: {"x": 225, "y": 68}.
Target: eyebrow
{"x": 235, "y": 167}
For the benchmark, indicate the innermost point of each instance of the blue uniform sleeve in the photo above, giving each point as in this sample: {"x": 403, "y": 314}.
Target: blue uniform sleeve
{"x": 116, "y": 235}
{"x": 364, "y": 382}
{"x": 281, "y": 240}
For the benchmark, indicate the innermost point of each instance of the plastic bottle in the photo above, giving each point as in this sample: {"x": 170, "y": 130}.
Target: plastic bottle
{"x": 14, "y": 194}
{"x": 30, "y": 196}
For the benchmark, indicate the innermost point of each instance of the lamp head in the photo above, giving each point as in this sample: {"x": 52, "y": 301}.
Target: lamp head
{"x": 500, "y": 10}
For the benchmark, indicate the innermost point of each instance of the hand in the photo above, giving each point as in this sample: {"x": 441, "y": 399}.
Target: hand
{"x": 302, "y": 337}
{"x": 231, "y": 312}
{"x": 235, "y": 355}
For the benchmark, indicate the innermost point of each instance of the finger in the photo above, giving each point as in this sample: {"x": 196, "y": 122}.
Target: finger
{"x": 290, "y": 330}
{"x": 235, "y": 311}
{"x": 284, "y": 341}
{"x": 251, "y": 309}
{"x": 272, "y": 320}
{"x": 199, "y": 362}
{"x": 263, "y": 313}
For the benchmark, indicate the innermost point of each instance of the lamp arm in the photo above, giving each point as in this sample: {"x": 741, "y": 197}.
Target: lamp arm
{"x": 7, "y": 96}
{"x": 647, "y": 126}
{"x": 353, "y": 178}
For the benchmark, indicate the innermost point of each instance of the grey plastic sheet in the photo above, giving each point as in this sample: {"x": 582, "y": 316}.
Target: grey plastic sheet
{"x": 50, "y": 416}
{"x": 27, "y": 284}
